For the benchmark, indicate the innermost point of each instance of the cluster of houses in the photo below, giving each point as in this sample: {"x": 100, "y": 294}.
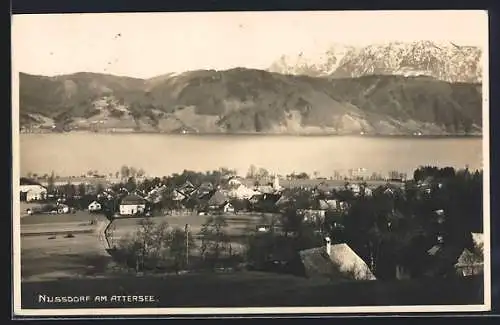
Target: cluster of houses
{"x": 233, "y": 195}
{"x": 209, "y": 198}
{"x": 270, "y": 197}
{"x": 204, "y": 199}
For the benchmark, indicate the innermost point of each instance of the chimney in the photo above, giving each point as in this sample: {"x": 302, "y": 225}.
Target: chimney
{"x": 328, "y": 245}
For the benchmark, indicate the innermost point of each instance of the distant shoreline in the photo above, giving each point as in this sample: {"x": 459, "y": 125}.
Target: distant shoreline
{"x": 262, "y": 134}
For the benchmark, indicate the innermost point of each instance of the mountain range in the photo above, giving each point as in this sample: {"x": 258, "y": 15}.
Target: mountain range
{"x": 442, "y": 60}
{"x": 345, "y": 94}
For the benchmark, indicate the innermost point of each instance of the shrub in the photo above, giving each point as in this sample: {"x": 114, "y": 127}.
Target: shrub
{"x": 154, "y": 247}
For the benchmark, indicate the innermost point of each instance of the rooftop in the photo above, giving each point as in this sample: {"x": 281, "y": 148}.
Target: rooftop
{"x": 132, "y": 199}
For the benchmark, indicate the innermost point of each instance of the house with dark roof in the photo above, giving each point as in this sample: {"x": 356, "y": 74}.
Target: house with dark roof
{"x": 324, "y": 188}
{"x": 178, "y": 195}
{"x": 203, "y": 190}
{"x": 28, "y": 181}
{"x": 283, "y": 201}
{"x": 216, "y": 201}
{"x": 155, "y": 195}
{"x": 187, "y": 188}
{"x": 132, "y": 205}
{"x": 264, "y": 202}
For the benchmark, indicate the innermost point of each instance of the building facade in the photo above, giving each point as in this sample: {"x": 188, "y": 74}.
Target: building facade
{"x": 31, "y": 193}
{"x": 132, "y": 205}
{"x": 94, "y": 206}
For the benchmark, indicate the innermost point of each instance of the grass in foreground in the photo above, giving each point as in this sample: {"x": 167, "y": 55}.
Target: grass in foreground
{"x": 254, "y": 289}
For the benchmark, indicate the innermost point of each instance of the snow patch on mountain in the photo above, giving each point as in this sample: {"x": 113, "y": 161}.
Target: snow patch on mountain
{"x": 314, "y": 63}
{"x": 442, "y": 60}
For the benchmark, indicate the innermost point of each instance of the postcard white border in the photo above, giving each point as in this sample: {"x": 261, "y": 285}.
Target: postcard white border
{"x": 16, "y": 274}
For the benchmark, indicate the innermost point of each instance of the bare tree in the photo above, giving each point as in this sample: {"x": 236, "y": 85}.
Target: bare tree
{"x": 125, "y": 172}
{"x": 179, "y": 243}
{"x": 214, "y": 239}
{"x": 252, "y": 171}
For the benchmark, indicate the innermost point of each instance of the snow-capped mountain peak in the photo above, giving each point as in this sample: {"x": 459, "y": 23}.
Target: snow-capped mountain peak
{"x": 442, "y": 60}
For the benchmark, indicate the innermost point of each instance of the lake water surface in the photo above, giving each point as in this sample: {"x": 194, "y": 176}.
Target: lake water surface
{"x": 159, "y": 154}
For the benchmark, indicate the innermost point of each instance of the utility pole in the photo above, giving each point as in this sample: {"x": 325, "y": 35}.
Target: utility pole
{"x": 186, "y": 231}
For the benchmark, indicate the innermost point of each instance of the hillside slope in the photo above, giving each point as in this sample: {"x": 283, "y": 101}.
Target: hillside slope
{"x": 248, "y": 101}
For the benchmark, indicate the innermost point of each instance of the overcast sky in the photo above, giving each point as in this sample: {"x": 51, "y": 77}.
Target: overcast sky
{"x": 145, "y": 45}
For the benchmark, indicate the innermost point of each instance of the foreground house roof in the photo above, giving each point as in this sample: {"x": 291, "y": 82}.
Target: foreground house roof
{"x": 186, "y": 188}
{"x": 341, "y": 264}
{"x": 468, "y": 258}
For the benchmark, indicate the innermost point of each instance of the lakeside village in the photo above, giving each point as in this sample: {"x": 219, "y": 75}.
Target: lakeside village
{"x": 356, "y": 227}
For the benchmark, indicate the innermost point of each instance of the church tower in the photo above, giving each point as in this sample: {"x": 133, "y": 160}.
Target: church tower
{"x": 276, "y": 183}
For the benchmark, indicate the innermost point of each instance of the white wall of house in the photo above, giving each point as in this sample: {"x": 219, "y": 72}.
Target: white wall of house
{"x": 94, "y": 206}
{"x": 234, "y": 182}
{"x": 355, "y": 188}
{"x": 131, "y": 209}
{"x": 228, "y": 208}
{"x": 34, "y": 192}
{"x": 178, "y": 196}
{"x": 242, "y": 192}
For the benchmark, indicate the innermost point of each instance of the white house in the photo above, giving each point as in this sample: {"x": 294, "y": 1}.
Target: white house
{"x": 329, "y": 204}
{"x": 177, "y": 195}
{"x": 132, "y": 204}
{"x": 227, "y": 208}
{"x": 234, "y": 181}
{"x": 354, "y": 188}
{"x": 359, "y": 173}
{"x": 62, "y": 208}
{"x": 265, "y": 189}
{"x": 241, "y": 192}
{"x": 368, "y": 191}
{"x": 95, "y": 206}
{"x": 32, "y": 192}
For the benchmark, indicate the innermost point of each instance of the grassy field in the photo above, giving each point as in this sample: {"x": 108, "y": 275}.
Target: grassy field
{"x": 79, "y": 216}
{"x": 253, "y": 289}
{"x": 237, "y": 223}
{"x": 44, "y": 258}
{"x": 81, "y": 266}
{"x": 60, "y": 257}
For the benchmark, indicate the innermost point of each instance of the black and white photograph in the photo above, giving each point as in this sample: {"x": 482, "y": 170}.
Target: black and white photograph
{"x": 272, "y": 162}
